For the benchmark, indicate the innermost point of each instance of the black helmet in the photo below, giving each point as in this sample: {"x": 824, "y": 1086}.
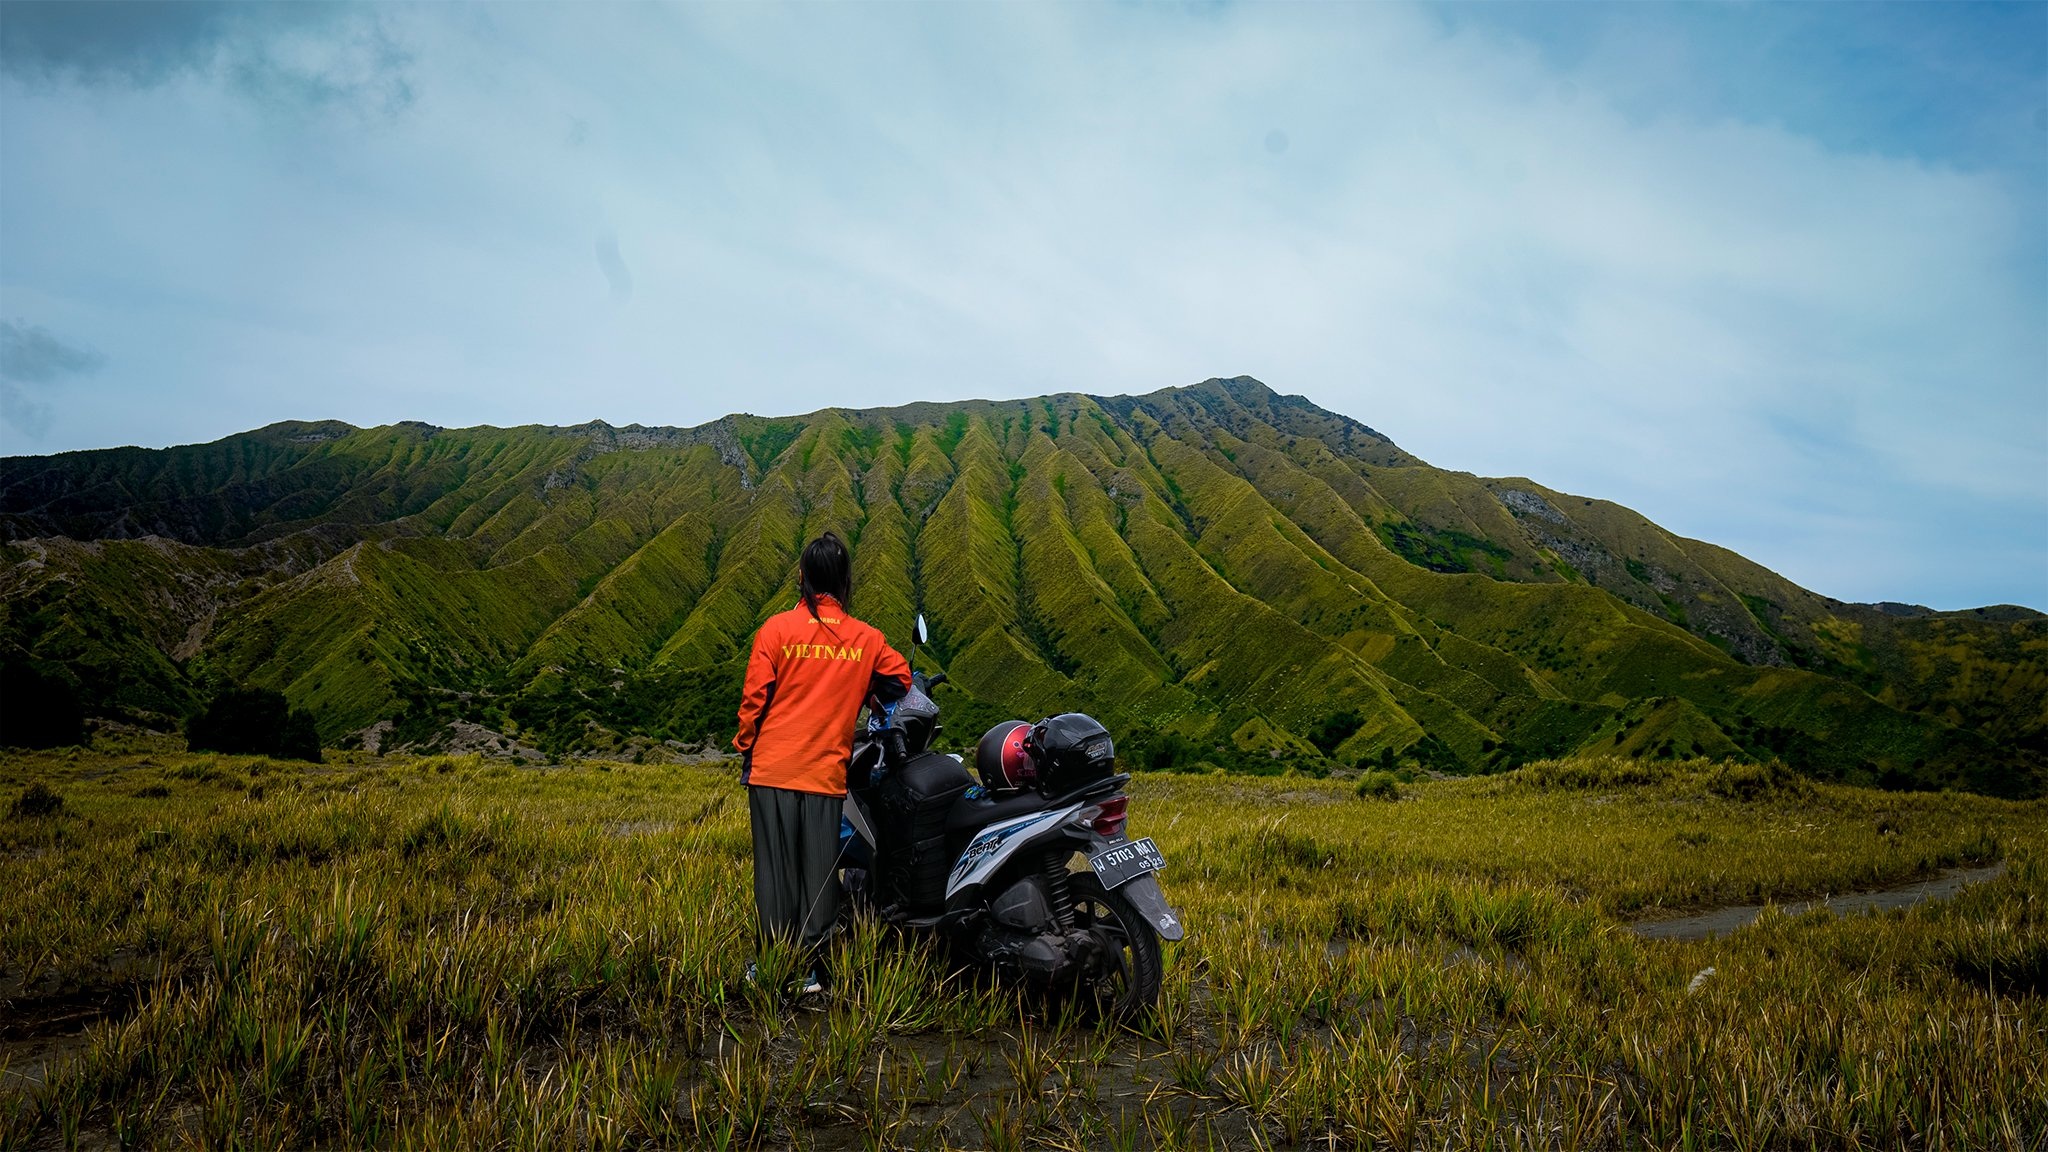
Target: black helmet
{"x": 1071, "y": 749}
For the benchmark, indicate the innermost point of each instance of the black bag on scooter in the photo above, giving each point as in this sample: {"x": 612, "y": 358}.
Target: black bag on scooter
{"x": 914, "y": 802}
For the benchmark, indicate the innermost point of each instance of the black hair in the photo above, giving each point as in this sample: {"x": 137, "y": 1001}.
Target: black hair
{"x": 826, "y": 570}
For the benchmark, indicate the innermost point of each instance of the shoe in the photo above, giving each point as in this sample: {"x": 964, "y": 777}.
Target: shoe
{"x": 810, "y": 985}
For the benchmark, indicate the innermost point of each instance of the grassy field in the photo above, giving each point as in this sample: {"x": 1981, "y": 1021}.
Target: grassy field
{"x": 223, "y": 951}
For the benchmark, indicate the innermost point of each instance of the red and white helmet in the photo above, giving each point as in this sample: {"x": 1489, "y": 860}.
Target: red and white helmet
{"x": 1001, "y": 760}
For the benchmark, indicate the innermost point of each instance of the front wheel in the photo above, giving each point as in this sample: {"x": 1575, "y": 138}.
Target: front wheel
{"x": 1122, "y": 981}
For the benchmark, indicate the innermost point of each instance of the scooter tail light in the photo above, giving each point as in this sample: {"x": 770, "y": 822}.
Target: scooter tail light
{"x": 1110, "y": 815}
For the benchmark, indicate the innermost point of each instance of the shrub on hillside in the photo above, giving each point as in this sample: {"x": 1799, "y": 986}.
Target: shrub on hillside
{"x": 1743, "y": 781}
{"x": 1335, "y": 730}
{"x": 36, "y": 800}
{"x": 1378, "y": 786}
{"x": 1434, "y": 755}
{"x": 37, "y": 711}
{"x": 1142, "y": 749}
{"x": 555, "y": 713}
{"x": 254, "y": 721}
{"x": 1729, "y": 779}
{"x": 1590, "y": 772}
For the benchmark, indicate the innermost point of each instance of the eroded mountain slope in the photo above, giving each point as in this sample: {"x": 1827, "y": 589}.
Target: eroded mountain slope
{"x": 1232, "y": 576}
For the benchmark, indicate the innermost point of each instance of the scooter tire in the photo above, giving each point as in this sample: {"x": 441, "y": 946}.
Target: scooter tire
{"x": 1134, "y": 986}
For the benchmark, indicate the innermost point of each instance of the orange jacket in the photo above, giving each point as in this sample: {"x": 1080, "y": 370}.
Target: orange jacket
{"x": 806, "y": 681}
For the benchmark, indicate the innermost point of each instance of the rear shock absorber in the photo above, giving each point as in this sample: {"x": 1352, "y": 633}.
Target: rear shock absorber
{"x": 1056, "y": 889}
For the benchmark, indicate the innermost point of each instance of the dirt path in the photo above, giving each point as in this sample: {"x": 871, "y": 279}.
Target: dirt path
{"x": 1722, "y": 921}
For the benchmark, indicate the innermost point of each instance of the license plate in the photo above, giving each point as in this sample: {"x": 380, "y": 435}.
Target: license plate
{"x": 1121, "y": 863}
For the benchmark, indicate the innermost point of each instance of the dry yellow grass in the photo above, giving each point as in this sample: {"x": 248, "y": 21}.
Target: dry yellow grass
{"x": 457, "y": 953}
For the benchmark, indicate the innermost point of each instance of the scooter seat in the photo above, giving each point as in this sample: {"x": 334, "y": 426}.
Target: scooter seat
{"x": 969, "y": 816}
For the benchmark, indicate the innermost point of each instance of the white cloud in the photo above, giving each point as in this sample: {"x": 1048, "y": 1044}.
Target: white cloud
{"x": 1794, "y": 350}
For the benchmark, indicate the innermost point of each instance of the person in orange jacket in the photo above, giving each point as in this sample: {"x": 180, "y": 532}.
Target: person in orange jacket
{"x": 811, "y": 669}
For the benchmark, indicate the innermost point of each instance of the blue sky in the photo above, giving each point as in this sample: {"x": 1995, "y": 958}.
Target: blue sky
{"x": 1774, "y": 275}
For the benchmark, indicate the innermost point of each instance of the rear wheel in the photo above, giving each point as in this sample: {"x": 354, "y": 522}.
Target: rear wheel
{"x": 1122, "y": 982}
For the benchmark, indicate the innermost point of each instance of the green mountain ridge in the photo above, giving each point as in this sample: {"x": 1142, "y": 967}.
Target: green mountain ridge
{"x": 1228, "y": 576}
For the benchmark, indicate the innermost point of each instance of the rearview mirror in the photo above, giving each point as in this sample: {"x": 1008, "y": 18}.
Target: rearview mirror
{"x": 918, "y": 635}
